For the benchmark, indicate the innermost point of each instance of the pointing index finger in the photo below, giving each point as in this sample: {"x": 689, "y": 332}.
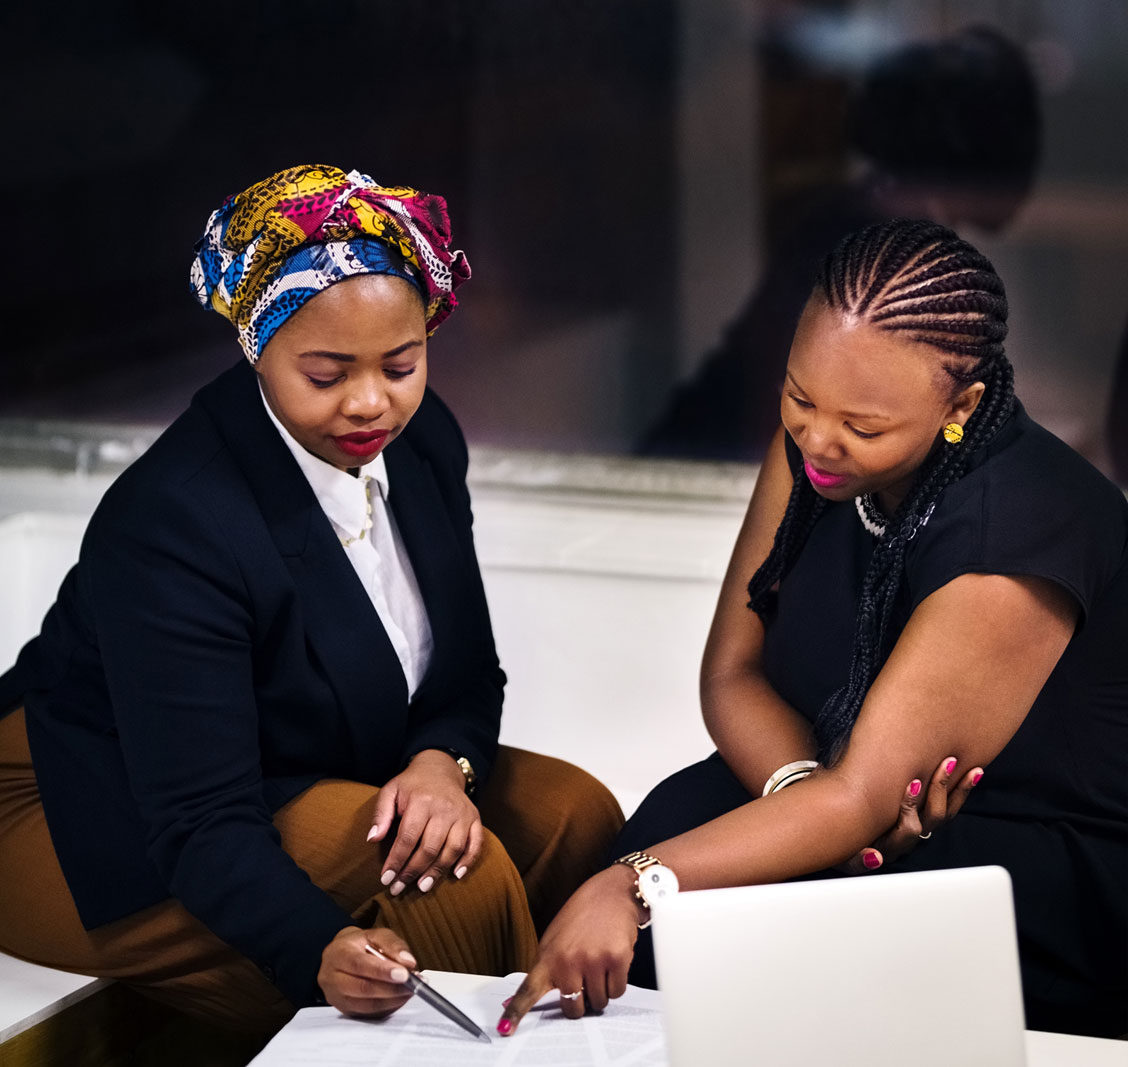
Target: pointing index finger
{"x": 535, "y": 985}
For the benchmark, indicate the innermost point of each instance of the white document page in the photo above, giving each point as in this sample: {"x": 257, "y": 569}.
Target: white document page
{"x": 628, "y": 1032}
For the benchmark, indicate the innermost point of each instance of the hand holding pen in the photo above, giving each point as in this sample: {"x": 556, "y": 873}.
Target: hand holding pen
{"x": 424, "y": 992}
{"x": 357, "y": 982}
{"x": 372, "y": 973}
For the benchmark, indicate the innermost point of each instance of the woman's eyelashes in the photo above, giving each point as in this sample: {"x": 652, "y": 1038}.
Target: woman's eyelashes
{"x": 865, "y": 435}
{"x": 394, "y": 373}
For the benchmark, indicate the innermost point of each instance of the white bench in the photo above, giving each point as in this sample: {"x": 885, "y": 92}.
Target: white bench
{"x": 30, "y": 994}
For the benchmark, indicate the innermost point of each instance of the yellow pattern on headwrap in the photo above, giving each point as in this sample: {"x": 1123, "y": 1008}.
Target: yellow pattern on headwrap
{"x": 378, "y": 224}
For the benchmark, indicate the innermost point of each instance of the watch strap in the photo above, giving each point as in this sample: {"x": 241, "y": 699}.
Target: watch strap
{"x": 640, "y": 861}
{"x": 469, "y": 777}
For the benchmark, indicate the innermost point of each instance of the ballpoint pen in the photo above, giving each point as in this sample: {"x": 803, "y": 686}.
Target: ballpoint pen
{"x": 422, "y": 990}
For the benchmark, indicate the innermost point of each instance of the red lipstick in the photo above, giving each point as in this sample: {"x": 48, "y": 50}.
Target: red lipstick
{"x": 362, "y": 445}
{"x": 823, "y": 479}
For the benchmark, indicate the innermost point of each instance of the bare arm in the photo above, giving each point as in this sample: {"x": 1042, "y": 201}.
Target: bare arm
{"x": 960, "y": 680}
{"x": 754, "y": 729}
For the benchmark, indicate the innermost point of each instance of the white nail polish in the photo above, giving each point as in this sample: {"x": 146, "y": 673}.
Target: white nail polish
{"x": 387, "y": 877}
{"x": 372, "y": 833}
{"x": 426, "y": 883}
{"x": 398, "y": 888}
{"x": 461, "y": 872}
{"x": 398, "y": 974}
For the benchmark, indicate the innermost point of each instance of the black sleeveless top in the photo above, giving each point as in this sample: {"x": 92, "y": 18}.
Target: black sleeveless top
{"x": 1053, "y": 806}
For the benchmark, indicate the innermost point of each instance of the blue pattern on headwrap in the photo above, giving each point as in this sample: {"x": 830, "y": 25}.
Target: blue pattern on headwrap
{"x": 313, "y": 268}
{"x": 278, "y": 312}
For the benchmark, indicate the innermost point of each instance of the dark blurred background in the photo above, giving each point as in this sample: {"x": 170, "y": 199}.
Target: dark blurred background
{"x": 623, "y": 174}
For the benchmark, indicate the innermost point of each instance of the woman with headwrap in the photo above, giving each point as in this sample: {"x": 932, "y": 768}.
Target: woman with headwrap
{"x": 263, "y": 713}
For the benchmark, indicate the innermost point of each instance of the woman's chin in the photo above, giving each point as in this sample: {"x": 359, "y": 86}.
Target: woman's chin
{"x": 835, "y": 493}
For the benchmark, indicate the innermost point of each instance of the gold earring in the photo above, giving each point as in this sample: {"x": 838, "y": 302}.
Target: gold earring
{"x": 953, "y": 433}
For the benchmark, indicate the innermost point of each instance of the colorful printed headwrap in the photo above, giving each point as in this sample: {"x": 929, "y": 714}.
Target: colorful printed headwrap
{"x": 269, "y": 249}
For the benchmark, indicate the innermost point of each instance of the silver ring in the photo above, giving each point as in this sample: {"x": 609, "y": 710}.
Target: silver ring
{"x": 925, "y": 837}
{"x": 573, "y": 996}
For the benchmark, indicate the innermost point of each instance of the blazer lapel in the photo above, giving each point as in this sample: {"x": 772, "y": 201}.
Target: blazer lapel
{"x": 341, "y": 625}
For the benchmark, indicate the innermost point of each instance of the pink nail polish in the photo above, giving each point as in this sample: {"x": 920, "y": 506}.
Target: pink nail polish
{"x": 950, "y": 766}
{"x": 872, "y": 860}
{"x": 504, "y": 1026}
{"x": 506, "y": 1002}
{"x": 975, "y": 777}
{"x": 914, "y": 788}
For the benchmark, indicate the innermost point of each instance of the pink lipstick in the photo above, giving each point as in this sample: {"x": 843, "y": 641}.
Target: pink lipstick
{"x": 823, "y": 479}
{"x": 362, "y": 445}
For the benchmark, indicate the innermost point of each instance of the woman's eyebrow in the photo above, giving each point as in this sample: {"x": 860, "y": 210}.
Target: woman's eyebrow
{"x": 866, "y": 417}
{"x": 341, "y": 357}
{"x": 400, "y": 349}
{"x": 345, "y": 357}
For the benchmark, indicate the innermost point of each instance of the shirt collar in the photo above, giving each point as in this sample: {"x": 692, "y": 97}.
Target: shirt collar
{"x": 343, "y": 498}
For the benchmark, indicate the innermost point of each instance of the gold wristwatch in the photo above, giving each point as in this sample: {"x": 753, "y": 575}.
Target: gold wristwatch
{"x": 466, "y": 769}
{"x": 655, "y": 880}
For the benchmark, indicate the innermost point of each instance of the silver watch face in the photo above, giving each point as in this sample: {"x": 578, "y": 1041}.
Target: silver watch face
{"x": 656, "y": 883}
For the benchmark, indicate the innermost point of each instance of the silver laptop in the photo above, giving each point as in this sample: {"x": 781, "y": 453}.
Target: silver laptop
{"x": 919, "y": 970}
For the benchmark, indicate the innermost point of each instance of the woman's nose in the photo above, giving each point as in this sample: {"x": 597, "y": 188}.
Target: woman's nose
{"x": 818, "y": 440}
{"x": 367, "y": 400}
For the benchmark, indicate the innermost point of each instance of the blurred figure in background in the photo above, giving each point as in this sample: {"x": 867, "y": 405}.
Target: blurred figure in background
{"x": 948, "y": 130}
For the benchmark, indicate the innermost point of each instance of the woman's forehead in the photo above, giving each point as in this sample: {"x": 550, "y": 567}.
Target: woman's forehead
{"x": 853, "y": 365}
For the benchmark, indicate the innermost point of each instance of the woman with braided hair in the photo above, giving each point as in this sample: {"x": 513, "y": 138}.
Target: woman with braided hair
{"x": 924, "y": 577}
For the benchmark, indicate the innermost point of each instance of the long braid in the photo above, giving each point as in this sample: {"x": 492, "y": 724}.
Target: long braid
{"x": 917, "y": 277}
{"x": 804, "y": 506}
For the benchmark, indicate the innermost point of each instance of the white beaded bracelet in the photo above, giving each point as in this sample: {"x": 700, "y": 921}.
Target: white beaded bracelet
{"x": 788, "y": 774}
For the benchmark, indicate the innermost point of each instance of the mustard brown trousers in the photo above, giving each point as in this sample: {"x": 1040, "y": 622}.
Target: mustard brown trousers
{"x": 549, "y": 825}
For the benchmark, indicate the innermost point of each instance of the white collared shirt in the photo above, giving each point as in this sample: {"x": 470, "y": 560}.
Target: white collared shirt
{"x": 378, "y": 557}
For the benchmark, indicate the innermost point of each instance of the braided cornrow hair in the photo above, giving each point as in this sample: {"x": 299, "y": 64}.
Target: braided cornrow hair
{"x": 917, "y": 277}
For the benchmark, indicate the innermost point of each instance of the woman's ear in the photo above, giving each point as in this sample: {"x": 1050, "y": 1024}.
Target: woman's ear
{"x": 965, "y": 403}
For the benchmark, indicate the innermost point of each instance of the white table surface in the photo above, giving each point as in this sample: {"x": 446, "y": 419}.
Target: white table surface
{"x": 1065, "y": 1050}
{"x": 30, "y": 993}
{"x": 1042, "y": 1049}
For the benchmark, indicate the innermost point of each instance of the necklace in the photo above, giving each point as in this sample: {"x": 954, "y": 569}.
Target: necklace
{"x": 871, "y": 517}
{"x": 346, "y": 541}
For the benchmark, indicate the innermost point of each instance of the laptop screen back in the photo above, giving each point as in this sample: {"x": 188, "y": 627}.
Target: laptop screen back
{"x": 918, "y": 969}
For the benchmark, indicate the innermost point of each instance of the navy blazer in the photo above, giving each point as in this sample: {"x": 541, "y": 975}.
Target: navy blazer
{"x": 213, "y": 653}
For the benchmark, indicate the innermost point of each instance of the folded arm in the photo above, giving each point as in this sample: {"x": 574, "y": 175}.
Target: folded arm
{"x": 960, "y": 680}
